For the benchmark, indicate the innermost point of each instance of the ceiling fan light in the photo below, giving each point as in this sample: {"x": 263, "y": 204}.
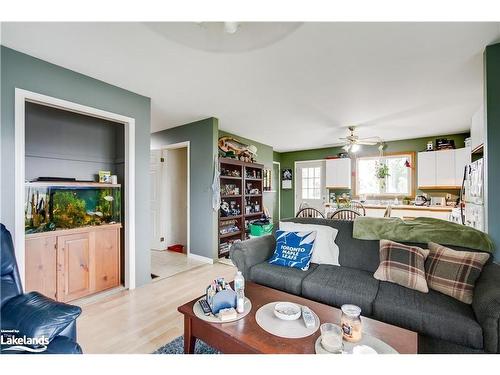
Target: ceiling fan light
{"x": 346, "y": 148}
{"x": 355, "y": 148}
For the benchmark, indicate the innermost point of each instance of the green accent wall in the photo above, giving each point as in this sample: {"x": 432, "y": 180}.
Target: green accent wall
{"x": 202, "y": 136}
{"x": 19, "y": 70}
{"x": 266, "y": 156}
{"x": 492, "y": 154}
{"x": 288, "y": 159}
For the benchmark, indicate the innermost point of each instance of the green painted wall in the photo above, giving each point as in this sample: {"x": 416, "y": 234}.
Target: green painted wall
{"x": 265, "y": 155}
{"x": 492, "y": 94}
{"x": 202, "y": 136}
{"x": 288, "y": 159}
{"x": 19, "y": 70}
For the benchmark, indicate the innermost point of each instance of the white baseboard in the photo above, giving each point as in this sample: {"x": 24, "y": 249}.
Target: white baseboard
{"x": 201, "y": 258}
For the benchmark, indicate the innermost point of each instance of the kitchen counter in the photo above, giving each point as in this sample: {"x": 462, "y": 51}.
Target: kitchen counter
{"x": 410, "y": 207}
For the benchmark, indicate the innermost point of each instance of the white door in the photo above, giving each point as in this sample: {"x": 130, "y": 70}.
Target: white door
{"x": 155, "y": 169}
{"x": 310, "y": 184}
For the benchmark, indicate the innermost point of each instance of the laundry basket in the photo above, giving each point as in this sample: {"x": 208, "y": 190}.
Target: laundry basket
{"x": 257, "y": 230}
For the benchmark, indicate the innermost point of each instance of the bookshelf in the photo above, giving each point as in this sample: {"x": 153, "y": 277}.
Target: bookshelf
{"x": 241, "y": 191}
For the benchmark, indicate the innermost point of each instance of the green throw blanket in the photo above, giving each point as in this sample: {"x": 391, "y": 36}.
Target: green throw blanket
{"x": 421, "y": 230}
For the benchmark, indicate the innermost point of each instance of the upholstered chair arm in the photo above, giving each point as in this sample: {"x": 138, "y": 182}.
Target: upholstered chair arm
{"x": 486, "y": 305}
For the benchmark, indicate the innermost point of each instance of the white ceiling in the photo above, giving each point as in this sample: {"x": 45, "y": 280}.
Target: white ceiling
{"x": 291, "y": 86}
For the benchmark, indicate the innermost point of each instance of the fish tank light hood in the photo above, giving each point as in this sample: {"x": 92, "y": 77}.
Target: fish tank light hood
{"x": 52, "y": 206}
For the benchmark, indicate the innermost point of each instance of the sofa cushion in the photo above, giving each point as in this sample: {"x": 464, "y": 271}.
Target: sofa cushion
{"x": 282, "y": 278}
{"x": 337, "y": 286}
{"x": 353, "y": 253}
{"x": 293, "y": 249}
{"x": 432, "y": 314}
{"x": 403, "y": 265}
{"x": 452, "y": 272}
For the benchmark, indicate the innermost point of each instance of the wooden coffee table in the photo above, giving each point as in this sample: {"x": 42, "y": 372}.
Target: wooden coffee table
{"x": 246, "y": 336}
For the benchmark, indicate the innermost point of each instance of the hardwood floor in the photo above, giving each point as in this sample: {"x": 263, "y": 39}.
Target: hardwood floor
{"x": 166, "y": 263}
{"x": 142, "y": 320}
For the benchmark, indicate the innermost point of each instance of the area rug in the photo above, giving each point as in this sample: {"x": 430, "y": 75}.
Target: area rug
{"x": 176, "y": 346}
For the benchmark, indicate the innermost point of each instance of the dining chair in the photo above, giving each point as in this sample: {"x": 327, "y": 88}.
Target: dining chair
{"x": 358, "y": 206}
{"x": 310, "y": 212}
{"x": 344, "y": 214}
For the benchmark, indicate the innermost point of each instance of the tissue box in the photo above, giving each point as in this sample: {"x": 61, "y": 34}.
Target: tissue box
{"x": 222, "y": 300}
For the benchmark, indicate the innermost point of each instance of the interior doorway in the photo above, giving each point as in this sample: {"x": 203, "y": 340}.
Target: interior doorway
{"x": 169, "y": 171}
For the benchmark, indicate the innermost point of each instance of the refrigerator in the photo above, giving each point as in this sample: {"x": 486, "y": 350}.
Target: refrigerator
{"x": 472, "y": 207}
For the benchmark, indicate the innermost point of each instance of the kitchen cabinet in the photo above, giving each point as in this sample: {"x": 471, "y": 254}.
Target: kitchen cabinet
{"x": 477, "y": 129}
{"x": 426, "y": 168}
{"x": 338, "y": 173}
{"x": 442, "y": 169}
{"x": 445, "y": 168}
{"x": 73, "y": 263}
{"x": 410, "y": 212}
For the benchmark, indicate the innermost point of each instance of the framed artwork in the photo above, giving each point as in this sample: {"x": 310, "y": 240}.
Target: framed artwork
{"x": 286, "y": 178}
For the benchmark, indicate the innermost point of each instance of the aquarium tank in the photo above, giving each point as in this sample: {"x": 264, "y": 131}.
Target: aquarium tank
{"x": 50, "y": 208}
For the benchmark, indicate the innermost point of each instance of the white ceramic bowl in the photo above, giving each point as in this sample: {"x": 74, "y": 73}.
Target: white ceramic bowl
{"x": 287, "y": 311}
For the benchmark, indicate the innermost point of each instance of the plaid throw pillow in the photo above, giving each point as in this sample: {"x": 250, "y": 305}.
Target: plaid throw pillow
{"x": 403, "y": 265}
{"x": 452, "y": 272}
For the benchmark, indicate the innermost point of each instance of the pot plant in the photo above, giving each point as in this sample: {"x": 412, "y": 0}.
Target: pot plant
{"x": 381, "y": 172}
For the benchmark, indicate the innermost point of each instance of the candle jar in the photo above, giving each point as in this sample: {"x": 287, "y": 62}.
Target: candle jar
{"x": 351, "y": 323}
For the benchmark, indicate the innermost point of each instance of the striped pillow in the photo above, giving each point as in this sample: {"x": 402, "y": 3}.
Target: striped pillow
{"x": 452, "y": 272}
{"x": 403, "y": 265}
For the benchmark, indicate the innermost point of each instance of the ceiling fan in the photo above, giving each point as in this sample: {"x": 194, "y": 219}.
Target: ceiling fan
{"x": 352, "y": 143}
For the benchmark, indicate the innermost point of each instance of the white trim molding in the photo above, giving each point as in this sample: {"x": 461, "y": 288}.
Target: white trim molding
{"x": 23, "y": 96}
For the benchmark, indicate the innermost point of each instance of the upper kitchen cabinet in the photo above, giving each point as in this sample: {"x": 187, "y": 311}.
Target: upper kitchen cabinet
{"x": 477, "y": 130}
{"x": 338, "y": 173}
{"x": 442, "y": 169}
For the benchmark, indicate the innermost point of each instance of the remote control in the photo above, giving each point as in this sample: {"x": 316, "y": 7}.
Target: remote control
{"x": 308, "y": 317}
{"x": 205, "y": 306}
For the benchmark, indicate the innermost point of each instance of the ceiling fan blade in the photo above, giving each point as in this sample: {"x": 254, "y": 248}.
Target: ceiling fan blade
{"x": 367, "y": 143}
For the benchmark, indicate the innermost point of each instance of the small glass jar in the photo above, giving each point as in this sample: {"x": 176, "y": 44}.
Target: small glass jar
{"x": 351, "y": 323}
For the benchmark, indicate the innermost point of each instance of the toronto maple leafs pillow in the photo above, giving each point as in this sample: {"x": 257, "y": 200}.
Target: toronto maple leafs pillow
{"x": 293, "y": 249}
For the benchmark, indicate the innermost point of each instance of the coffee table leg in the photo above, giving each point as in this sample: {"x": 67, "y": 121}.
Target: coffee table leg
{"x": 189, "y": 340}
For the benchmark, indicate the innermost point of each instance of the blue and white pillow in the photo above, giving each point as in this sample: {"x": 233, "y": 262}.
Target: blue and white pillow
{"x": 293, "y": 249}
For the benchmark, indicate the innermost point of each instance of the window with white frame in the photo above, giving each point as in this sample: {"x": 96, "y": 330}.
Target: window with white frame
{"x": 397, "y": 175}
{"x": 311, "y": 183}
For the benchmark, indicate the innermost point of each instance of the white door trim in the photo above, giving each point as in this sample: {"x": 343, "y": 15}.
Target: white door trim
{"x": 278, "y": 189}
{"x": 174, "y": 146}
{"x": 23, "y": 96}
{"x": 295, "y": 179}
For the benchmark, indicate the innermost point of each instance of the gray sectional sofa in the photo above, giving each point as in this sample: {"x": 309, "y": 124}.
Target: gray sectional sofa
{"x": 444, "y": 324}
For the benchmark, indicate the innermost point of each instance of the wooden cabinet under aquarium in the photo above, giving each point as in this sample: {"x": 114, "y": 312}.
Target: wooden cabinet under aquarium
{"x": 72, "y": 239}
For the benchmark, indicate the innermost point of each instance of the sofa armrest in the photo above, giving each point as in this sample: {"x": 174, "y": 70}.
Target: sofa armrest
{"x": 486, "y": 305}
{"x": 246, "y": 254}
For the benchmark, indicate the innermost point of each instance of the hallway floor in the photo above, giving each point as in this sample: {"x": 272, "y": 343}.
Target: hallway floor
{"x": 165, "y": 263}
